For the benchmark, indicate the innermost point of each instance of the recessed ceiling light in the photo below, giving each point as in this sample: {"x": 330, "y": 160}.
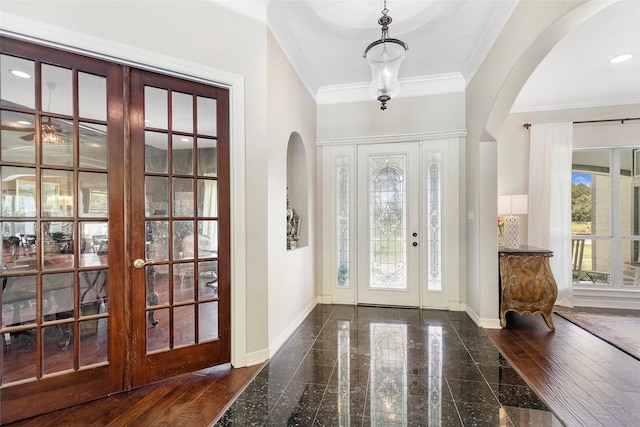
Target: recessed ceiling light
{"x": 21, "y": 74}
{"x": 185, "y": 139}
{"x": 23, "y": 122}
{"x": 621, "y": 58}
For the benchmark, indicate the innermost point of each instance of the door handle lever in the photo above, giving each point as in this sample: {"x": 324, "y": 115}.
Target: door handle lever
{"x": 139, "y": 263}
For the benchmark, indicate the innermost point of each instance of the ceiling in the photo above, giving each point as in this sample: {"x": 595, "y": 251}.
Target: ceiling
{"x": 448, "y": 40}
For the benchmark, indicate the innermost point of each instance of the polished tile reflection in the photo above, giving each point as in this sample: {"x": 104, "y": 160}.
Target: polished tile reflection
{"x": 366, "y": 366}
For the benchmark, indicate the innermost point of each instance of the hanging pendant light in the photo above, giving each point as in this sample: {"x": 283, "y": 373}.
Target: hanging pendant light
{"x": 385, "y": 57}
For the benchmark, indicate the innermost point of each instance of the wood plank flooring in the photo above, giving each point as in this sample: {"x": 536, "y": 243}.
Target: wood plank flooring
{"x": 582, "y": 379}
{"x": 195, "y": 399}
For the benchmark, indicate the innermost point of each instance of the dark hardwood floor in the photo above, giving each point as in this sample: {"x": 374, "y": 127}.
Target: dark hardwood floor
{"x": 580, "y": 378}
{"x": 583, "y": 380}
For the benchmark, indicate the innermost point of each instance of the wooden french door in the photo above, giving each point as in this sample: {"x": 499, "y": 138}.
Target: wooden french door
{"x": 101, "y": 165}
{"x": 180, "y": 226}
{"x": 62, "y": 177}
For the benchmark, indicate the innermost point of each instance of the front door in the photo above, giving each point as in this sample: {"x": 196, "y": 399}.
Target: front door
{"x": 180, "y": 226}
{"x": 388, "y": 224}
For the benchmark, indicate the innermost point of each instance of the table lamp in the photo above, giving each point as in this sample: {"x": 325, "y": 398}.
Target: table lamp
{"x": 512, "y": 205}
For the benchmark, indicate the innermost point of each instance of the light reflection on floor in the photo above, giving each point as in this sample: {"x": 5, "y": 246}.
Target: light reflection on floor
{"x": 366, "y": 366}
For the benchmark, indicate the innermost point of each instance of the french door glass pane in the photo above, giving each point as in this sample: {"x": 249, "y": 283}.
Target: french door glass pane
{"x": 92, "y": 96}
{"x": 17, "y": 136}
{"x": 207, "y": 116}
{"x": 18, "y": 191}
{"x": 181, "y": 112}
{"x": 207, "y": 157}
{"x": 182, "y": 154}
{"x": 57, "y": 141}
{"x": 57, "y": 193}
{"x": 17, "y": 84}
{"x": 156, "y": 111}
{"x": 94, "y": 195}
{"x": 156, "y": 152}
{"x": 93, "y": 145}
{"x": 57, "y": 90}
{"x": 387, "y": 221}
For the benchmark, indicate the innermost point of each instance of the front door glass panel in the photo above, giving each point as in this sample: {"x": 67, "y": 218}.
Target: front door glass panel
{"x": 387, "y": 221}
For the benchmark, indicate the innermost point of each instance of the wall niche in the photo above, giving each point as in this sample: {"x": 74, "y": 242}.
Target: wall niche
{"x": 297, "y": 209}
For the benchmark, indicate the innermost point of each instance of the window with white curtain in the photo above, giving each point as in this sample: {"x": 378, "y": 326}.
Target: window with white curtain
{"x": 605, "y": 205}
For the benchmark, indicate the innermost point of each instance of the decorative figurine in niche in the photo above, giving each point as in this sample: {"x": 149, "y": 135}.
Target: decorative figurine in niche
{"x": 293, "y": 226}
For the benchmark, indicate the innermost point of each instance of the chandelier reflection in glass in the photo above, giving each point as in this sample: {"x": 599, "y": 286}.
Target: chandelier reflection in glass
{"x": 385, "y": 57}
{"x": 51, "y": 134}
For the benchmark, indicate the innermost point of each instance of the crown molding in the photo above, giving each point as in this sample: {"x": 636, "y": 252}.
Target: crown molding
{"x": 603, "y": 102}
{"x": 409, "y": 87}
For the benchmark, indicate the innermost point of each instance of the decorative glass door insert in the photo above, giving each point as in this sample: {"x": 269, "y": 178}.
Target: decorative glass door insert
{"x": 389, "y": 269}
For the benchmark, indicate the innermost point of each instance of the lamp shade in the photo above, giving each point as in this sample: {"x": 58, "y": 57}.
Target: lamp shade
{"x": 519, "y": 204}
{"x": 385, "y": 58}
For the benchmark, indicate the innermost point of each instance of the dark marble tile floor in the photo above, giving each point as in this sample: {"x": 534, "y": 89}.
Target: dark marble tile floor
{"x": 371, "y": 366}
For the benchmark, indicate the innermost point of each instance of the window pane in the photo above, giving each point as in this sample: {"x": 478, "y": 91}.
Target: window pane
{"x": 207, "y": 157}
{"x": 18, "y": 192}
{"x": 591, "y": 193}
{"x": 182, "y": 148}
{"x": 17, "y": 137}
{"x": 57, "y": 90}
{"x": 631, "y": 263}
{"x": 156, "y": 196}
{"x": 207, "y": 197}
{"x": 181, "y": 112}
{"x": 629, "y": 194}
{"x": 207, "y": 118}
{"x": 17, "y": 84}
{"x": 92, "y": 96}
{"x": 57, "y": 141}
{"x": 94, "y": 197}
{"x": 156, "y": 149}
{"x": 57, "y": 193}
{"x": 183, "y": 199}
{"x": 156, "y": 112}
{"x": 57, "y": 245}
{"x": 93, "y": 145}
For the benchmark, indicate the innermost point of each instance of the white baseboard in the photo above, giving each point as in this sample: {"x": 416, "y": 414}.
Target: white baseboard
{"x": 257, "y": 357}
{"x": 489, "y": 323}
{"x": 293, "y": 325}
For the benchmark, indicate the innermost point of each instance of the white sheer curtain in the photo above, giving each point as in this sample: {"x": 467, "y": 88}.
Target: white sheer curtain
{"x": 550, "y": 200}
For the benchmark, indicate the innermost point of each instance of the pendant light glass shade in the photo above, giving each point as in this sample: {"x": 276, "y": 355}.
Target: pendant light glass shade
{"x": 385, "y": 57}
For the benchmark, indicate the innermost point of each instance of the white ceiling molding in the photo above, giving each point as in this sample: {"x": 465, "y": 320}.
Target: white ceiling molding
{"x": 253, "y": 9}
{"x": 594, "y": 103}
{"x": 409, "y": 87}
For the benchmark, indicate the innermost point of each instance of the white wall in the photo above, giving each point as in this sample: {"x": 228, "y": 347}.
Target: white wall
{"x": 292, "y": 289}
{"x": 403, "y": 116}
